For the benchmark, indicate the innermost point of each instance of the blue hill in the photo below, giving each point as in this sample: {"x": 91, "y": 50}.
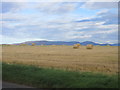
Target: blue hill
{"x": 64, "y": 43}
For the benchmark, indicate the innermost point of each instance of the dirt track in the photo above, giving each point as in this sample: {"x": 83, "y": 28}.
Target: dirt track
{"x": 13, "y": 85}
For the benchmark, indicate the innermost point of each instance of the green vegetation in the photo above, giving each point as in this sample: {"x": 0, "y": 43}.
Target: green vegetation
{"x": 53, "y": 78}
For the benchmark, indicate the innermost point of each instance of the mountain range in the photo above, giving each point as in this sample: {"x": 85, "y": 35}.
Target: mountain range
{"x": 65, "y": 43}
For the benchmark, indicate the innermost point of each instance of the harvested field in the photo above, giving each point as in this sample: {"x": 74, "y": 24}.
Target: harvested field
{"x": 99, "y": 59}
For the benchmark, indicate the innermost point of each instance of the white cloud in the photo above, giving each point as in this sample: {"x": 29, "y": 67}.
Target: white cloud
{"x": 56, "y": 7}
{"x": 12, "y": 6}
{"x": 104, "y": 11}
{"x": 111, "y": 26}
{"x": 14, "y": 16}
{"x": 81, "y": 37}
{"x": 100, "y": 5}
{"x": 106, "y": 32}
{"x": 56, "y": 27}
{"x": 60, "y": 0}
{"x": 10, "y": 40}
{"x": 14, "y": 0}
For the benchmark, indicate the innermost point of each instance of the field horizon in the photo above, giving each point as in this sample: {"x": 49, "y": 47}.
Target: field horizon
{"x": 69, "y": 43}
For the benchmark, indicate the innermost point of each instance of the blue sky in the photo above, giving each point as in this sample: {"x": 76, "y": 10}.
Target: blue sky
{"x": 59, "y": 21}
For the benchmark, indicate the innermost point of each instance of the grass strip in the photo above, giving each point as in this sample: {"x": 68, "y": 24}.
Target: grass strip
{"x": 53, "y": 78}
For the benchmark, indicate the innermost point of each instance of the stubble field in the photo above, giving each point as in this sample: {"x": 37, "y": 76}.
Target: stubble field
{"x": 99, "y": 59}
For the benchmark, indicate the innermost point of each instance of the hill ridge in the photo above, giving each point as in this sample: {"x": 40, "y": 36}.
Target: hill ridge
{"x": 45, "y": 42}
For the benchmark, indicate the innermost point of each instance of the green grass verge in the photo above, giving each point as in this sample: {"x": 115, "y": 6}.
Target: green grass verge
{"x": 52, "y": 78}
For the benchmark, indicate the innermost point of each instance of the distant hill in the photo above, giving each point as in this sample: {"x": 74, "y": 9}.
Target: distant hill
{"x": 64, "y": 43}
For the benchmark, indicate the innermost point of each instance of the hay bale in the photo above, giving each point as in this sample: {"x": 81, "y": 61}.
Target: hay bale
{"x": 89, "y": 46}
{"x": 76, "y": 46}
{"x": 33, "y": 44}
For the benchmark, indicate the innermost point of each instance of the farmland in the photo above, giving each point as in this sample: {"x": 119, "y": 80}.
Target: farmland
{"x": 102, "y": 59}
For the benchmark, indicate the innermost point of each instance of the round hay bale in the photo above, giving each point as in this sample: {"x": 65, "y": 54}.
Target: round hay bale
{"x": 33, "y": 44}
{"x": 78, "y": 44}
{"x": 75, "y": 46}
{"x": 89, "y": 46}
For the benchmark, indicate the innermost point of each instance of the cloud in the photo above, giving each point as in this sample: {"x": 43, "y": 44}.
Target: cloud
{"x": 10, "y": 40}
{"x": 105, "y": 32}
{"x": 11, "y": 6}
{"x": 104, "y": 11}
{"x": 56, "y": 7}
{"x": 58, "y": 29}
{"x": 45, "y": 7}
{"x": 105, "y": 16}
{"x": 100, "y": 5}
{"x": 80, "y": 37}
{"x": 60, "y": 1}
{"x": 58, "y": 21}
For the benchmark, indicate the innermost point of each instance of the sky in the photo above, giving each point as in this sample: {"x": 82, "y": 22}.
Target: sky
{"x": 59, "y": 21}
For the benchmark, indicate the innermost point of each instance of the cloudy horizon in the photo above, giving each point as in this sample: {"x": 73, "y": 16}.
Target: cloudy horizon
{"x": 59, "y": 21}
